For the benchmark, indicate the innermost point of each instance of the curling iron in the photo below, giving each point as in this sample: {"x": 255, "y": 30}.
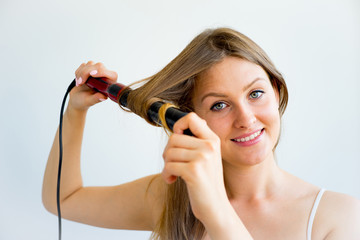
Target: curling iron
{"x": 114, "y": 90}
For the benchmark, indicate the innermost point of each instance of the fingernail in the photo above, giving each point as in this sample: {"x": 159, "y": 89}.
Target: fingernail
{"x": 93, "y": 72}
{"x": 101, "y": 99}
{"x": 78, "y": 81}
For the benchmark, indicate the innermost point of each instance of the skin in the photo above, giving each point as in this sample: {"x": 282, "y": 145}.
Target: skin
{"x": 237, "y": 192}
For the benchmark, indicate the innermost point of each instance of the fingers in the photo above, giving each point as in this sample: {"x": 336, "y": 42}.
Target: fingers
{"x": 182, "y": 141}
{"x": 82, "y": 97}
{"x": 189, "y": 171}
{"x": 187, "y": 156}
{"x": 84, "y": 71}
{"x": 197, "y": 125}
{"x": 179, "y": 145}
{"x": 181, "y": 155}
{"x": 171, "y": 171}
{"x": 184, "y": 149}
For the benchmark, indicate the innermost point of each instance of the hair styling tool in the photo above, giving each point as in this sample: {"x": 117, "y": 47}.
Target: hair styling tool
{"x": 113, "y": 91}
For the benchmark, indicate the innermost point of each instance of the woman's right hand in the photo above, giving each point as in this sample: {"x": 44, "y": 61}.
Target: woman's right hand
{"x": 82, "y": 97}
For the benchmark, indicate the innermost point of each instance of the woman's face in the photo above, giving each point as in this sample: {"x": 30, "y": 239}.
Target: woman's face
{"x": 239, "y": 104}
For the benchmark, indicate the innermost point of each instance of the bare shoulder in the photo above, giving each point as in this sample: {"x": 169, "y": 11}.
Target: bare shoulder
{"x": 340, "y": 213}
{"x": 335, "y": 205}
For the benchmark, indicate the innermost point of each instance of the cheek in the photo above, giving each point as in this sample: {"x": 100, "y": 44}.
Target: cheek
{"x": 270, "y": 117}
{"x": 218, "y": 125}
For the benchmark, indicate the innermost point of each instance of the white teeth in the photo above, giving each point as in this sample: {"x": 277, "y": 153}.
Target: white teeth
{"x": 251, "y": 137}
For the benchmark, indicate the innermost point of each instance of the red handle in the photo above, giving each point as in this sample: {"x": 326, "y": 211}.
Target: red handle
{"x": 112, "y": 90}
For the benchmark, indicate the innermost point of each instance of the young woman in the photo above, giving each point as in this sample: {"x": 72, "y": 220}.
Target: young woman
{"x": 222, "y": 183}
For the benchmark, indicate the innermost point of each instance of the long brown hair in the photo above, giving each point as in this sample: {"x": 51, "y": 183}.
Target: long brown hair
{"x": 175, "y": 84}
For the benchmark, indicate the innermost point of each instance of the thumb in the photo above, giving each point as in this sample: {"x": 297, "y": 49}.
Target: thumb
{"x": 96, "y": 98}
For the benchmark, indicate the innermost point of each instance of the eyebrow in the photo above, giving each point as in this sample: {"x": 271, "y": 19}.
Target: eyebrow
{"x": 214, "y": 94}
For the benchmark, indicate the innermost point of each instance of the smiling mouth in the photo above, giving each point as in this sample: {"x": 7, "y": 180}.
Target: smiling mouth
{"x": 248, "y": 138}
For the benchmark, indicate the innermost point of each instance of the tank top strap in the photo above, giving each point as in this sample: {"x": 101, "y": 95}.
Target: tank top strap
{"x": 313, "y": 212}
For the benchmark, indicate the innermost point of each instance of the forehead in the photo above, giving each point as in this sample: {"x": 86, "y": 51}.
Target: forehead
{"x": 231, "y": 73}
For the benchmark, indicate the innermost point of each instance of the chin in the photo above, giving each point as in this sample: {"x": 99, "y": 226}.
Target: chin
{"x": 244, "y": 161}
{"x": 251, "y": 158}
{"x": 252, "y": 161}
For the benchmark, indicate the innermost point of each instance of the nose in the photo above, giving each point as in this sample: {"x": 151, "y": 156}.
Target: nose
{"x": 244, "y": 116}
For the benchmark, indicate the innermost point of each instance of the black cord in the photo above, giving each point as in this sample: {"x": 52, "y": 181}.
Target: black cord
{"x": 71, "y": 86}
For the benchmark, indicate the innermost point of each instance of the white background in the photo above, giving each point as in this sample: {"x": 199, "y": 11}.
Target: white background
{"x": 315, "y": 44}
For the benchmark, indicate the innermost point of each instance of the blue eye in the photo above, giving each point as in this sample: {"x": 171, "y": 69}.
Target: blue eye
{"x": 218, "y": 106}
{"x": 256, "y": 94}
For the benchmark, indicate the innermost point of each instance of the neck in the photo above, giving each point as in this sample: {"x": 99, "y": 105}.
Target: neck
{"x": 253, "y": 182}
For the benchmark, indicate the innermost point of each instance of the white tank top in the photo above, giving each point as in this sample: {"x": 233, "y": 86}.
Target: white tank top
{"x": 313, "y": 212}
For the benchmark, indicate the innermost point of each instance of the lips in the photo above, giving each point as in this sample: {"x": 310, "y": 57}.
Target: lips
{"x": 247, "y": 137}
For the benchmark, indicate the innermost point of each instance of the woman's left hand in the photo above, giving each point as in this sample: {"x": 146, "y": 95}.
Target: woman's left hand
{"x": 197, "y": 160}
